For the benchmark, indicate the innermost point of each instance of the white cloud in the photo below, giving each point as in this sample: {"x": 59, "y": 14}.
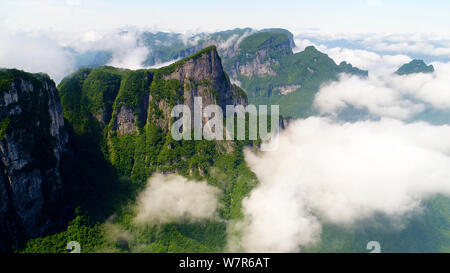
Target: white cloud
{"x": 368, "y": 60}
{"x": 41, "y": 51}
{"x": 434, "y": 45}
{"x": 301, "y": 44}
{"x": 131, "y": 58}
{"x": 164, "y": 64}
{"x": 370, "y": 94}
{"x": 324, "y": 171}
{"x": 388, "y": 95}
{"x": 236, "y": 82}
{"x": 112, "y": 40}
{"x": 34, "y": 53}
{"x": 383, "y": 93}
{"x": 431, "y": 88}
{"x": 360, "y": 58}
{"x": 231, "y": 41}
{"x": 172, "y": 198}
{"x": 363, "y": 59}
{"x": 407, "y": 47}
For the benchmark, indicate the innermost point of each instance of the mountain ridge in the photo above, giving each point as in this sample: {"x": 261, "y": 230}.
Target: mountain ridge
{"x": 415, "y": 66}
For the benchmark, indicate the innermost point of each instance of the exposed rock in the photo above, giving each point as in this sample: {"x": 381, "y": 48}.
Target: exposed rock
{"x": 203, "y": 76}
{"x": 258, "y": 67}
{"x": 131, "y": 102}
{"x": 164, "y": 122}
{"x": 259, "y": 54}
{"x": 286, "y": 89}
{"x": 31, "y": 147}
{"x": 125, "y": 122}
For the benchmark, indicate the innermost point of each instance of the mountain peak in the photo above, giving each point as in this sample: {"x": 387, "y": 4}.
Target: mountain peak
{"x": 211, "y": 51}
{"x": 207, "y": 50}
{"x": 415, "y": 66}
{"x": 311, "y": 48}
{"x": 129, "y": 97}
{"x": 281, "y": 31}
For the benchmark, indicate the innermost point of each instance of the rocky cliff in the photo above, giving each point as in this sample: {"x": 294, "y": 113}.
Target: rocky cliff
{"x": 32, "y": 140}
{"x": 129, "y": 111}
{"x": 118, "y": 123}
{"x": 203, "y": 75}
{"x": 259, "y": 54}
{"x": 148, "y": 96}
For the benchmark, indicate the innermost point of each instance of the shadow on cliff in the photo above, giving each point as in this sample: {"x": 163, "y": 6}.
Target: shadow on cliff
{"x": 90, "y": 182}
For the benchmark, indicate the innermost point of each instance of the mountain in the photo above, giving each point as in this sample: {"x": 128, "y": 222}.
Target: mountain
{"x": 119, "y": 136}
{"x": 165, "y": 46}
{"x": 117, "y": 124}
{"x": 262, "y": 62}
{"x": 32, "y": 142}
{"x": 265, "y": 66}
{"x": 415, "y": 66}
{"x": 271, "y": 73}
{"x": 127, "y": 107}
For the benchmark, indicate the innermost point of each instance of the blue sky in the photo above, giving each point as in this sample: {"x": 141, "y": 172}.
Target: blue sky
{"x": 328, "y": 15}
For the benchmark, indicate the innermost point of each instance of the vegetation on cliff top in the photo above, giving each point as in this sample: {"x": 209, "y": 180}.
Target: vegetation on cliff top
{"x": 415, "y": 66}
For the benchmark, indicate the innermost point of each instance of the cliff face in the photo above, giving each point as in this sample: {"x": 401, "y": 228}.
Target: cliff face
{"x": 32, "y": 140}
{"x": 136, "y": 135}
{"x": 148, "y": 96}
{"x": 271, "y": 73}
{"x": 204, "y": 76}
{"x": 260, "y": 54}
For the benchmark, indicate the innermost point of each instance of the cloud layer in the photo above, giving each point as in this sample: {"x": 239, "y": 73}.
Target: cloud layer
{"x": 57, "y": 55}
{"x": 34, "y": 52}
{"x": 388, "y": 95}
{"x": 432, "y": 46}
{"x": 325, "y": 171}
{"x": 173, "y": 198}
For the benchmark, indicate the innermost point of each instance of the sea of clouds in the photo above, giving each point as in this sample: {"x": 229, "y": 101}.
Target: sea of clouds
{"x": 329, "y": 170}
{"x": 340, "y": 172}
